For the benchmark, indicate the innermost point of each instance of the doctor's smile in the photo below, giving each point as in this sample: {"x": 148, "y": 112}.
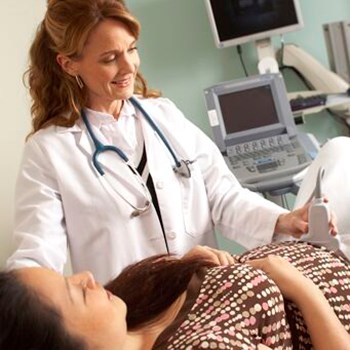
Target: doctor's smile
{"x": 123, "y": 82}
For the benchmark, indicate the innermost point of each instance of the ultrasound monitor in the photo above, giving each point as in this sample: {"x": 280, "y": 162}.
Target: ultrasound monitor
{"x": 239, "y": 113}
{"x": 234, "y": 22}
{"x": 254, "y": 128}
{"x": 247, "y": 109}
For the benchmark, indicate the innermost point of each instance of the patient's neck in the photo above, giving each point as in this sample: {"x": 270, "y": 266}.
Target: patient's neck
{"x": 145, "y": 337}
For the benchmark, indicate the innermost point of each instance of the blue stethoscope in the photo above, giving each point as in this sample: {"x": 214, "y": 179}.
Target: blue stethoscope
{"x": 182, "y": 167}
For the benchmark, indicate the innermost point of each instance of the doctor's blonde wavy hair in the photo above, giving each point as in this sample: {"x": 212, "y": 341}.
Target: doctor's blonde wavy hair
{"x": 56, "y": 97}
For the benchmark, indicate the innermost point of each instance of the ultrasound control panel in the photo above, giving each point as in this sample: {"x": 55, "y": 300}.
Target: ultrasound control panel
{"x": 267, "y": 158}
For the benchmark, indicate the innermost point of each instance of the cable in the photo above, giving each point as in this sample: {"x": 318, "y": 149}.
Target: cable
{"x": 283, "y": 67}
{"x": 339, "y": 119}
{"x": 300, "y": 76}
{"x": 282, "y": 51}
{"x": 239, "y": 50}
{"x": 285, "y": 203}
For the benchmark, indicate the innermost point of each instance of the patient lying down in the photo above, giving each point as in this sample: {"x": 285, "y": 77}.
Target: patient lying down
{"x": 279, "y": 296}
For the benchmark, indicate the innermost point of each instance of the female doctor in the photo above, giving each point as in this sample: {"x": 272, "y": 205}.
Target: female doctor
{"x": 111, "y": 171}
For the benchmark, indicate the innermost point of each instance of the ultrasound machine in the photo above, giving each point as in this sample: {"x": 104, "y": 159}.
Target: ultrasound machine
{"x": 254, "y": 128}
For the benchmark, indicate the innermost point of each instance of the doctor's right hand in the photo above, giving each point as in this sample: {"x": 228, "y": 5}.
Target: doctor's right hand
{"x": 296, "y": 222}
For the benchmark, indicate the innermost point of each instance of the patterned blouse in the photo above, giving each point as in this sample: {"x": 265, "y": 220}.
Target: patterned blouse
{"x": 238, "y": 307}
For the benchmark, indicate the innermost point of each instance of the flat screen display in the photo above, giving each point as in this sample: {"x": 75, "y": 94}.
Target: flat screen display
{"x": 241, "y": 21}
{"x": 248, "y": 109}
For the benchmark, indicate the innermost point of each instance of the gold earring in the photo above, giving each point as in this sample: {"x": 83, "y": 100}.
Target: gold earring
{"x": 79, "y": 81}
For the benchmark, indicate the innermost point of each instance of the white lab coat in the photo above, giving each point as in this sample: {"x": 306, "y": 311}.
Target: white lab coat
{"x": 61, "y": 203}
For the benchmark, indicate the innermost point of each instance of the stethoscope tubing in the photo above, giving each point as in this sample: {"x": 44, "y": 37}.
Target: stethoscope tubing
{"x": 100, "y": 147}
{"x": 150, "y": 121}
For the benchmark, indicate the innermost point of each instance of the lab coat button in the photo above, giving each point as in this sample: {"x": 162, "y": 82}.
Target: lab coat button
{"x": 171, "y": 235}
{"x": 160, "y": 185}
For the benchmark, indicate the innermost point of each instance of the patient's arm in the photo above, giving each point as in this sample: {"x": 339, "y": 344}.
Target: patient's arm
{"x": 325, "y": 329}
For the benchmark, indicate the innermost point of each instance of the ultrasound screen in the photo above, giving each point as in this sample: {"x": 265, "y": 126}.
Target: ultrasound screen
{"x": 248, "y": 109}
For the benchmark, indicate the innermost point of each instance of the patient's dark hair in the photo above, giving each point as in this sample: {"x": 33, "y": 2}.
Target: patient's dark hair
{"x": 28, "y": 322}
{"x": 150, "y": 286}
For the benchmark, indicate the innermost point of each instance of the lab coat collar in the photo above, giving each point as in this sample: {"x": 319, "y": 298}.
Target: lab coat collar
{"x": 99, "y": 118}
{"x": 128, "y": 110}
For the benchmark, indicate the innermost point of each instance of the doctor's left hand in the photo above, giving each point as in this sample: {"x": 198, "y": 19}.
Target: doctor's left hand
{"x": 218, "y": 257}
{"x": 295, "y": 223}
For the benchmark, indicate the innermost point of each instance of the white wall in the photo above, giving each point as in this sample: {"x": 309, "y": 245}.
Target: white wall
{"x": 18, "y": 21}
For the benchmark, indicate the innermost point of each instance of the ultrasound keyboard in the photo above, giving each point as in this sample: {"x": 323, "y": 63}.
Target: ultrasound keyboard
{"x": 267, "y": 158}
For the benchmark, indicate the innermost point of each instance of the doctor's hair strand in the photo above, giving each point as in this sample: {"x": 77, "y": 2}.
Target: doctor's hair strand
{"x": 27, "y": 321}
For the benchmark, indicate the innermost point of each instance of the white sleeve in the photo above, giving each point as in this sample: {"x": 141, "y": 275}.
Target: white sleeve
{"x": 239, "y": 214}
{"x": 39, "y": 227}
{"x": 334, "y": 158}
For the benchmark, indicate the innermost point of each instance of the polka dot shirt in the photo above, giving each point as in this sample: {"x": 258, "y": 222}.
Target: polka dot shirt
{"x": 238, "y": 307}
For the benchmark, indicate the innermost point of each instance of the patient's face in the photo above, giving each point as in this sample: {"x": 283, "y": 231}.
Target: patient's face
{"x": 89, "y": 311}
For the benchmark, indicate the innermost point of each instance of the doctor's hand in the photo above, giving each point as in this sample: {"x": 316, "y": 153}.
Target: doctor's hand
{"x": 218, "y": 257}
{"x": 295, "y": 223}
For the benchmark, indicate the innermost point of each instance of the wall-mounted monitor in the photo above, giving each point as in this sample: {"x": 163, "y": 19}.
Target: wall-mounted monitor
{"x": 234, "y": 22}
{"x": 337, "y": 37}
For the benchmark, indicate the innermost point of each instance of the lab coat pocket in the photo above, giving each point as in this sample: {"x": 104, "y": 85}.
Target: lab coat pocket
{"x": 196, "y": 209}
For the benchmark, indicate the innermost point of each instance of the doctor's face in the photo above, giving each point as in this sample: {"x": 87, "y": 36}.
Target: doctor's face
{"x": 88, "y": 310}
{"x": 108, "y": 64}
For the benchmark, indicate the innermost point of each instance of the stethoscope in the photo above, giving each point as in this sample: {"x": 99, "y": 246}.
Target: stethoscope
{"x": 182, "y": 167}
